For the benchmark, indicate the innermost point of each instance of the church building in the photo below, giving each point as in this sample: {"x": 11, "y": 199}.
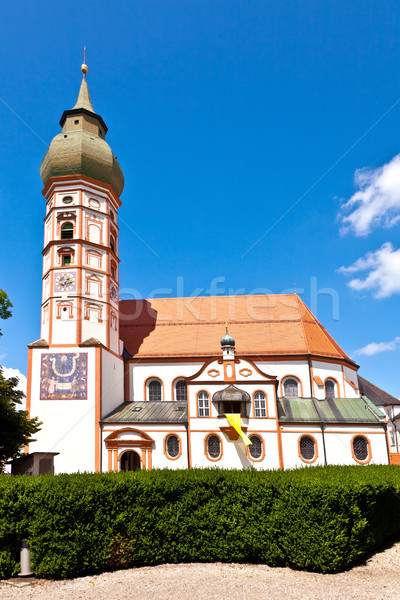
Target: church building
{"x": 225, "y": 381}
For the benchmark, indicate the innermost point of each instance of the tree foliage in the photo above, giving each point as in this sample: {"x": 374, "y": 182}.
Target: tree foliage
{"x": 5, "y": 306}
{"x": 16, "y": 429}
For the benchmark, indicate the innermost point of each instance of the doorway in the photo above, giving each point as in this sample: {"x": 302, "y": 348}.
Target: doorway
{"x": 130, "y": 461}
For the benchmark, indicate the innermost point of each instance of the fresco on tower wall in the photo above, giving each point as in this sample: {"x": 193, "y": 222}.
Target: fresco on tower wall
{"x": 63, "y": 376}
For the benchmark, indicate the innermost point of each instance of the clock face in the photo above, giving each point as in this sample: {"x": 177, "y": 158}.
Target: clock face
{"x": 65, "y": 282}
{"x": 113, "y": 293}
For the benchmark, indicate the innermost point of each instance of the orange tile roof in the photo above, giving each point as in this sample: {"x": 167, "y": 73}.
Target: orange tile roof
{"x": 262, "y": 325}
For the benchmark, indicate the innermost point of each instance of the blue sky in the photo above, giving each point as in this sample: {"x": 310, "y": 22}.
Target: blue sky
{"x": 223, "y": 114}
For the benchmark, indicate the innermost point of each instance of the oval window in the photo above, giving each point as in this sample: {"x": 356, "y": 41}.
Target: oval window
{"x": 173, "y": 446}
{"x": 94, "y": 203}
{"x": 360, "y": 448}
{"x": 213, "y": 447}
{"x": 307, "y": 448}
{"x": 256, "y": 447}
{"x": 67, "y": 199}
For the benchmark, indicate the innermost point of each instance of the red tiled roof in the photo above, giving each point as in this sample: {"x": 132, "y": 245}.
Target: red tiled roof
{"x": 261, "y": 325}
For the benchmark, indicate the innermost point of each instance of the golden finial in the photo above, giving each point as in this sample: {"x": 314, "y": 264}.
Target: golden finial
{"x": 226, "y": 326}
{"x": 84, "y": 67}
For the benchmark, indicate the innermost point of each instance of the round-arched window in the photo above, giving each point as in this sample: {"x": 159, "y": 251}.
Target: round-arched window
{"x": 307, "y": 448}
{"x": 67, "y": 231}
{"x": 67, "y": 199}
{"x": 360, "y": 448}
{"x": 181, "y": 391}
{"x": 260, "y": 408}
{"x": 329, "y": 388}
{"x": 291, "y": 388}
{"x": 213, "y": 446}
{"x": 173, "y": 446}
{"x": 154, "y": 388}
{"x": 256, "y": 447}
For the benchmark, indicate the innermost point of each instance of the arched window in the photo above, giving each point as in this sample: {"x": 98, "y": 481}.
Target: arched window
{"x": 256, "y": 447}
{"x": 260, "y": 408}
{"x": 172, "y": 446}
{"x": 181, "y": 391}
{"x": 291, "y": 388}
{"x": 154, "y": 390}
{"x": 360, "y": 448}
{"x": 329, "y": 388}
{"x": 203, "y": 404}
{"x": 112, "y": 243}
{"x": 67, "y": 231}
{"x": 307, "y": 448}
{"x": 213, "y": 447}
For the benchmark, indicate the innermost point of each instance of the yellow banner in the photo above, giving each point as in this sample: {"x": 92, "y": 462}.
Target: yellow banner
{"x": 234, "y": 420}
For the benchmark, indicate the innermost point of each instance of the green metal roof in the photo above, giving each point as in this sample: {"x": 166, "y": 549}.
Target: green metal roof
{"x": 330, "y": 410}
{"x": 374, "y": 408}
{"x": 149, "y": 412}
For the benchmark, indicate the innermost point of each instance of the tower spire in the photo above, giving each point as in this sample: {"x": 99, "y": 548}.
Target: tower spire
{"x": 84, "y": 100}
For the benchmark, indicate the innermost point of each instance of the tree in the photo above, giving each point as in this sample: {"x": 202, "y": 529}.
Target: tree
{"x": 16, "y": 429}
{"x": 5, "y": 306}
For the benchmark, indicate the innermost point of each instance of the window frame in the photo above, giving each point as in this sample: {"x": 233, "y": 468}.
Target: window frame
{"x": 174, "y": 389}
{"x": 63, "y": 228}
{"x": 369, "y": 456}
{"x": 203, "y": 408}
{"x": 166, "y": 446}
{"x": 299, "y": 386}
{"x": 147, "y": 388}
{"x": 333, "y": 382}
{"x": 221, "y": 451}
{"x": 258, "y": 400}
{"x": 262, "y": 448}
{"x": 306, "y": 460}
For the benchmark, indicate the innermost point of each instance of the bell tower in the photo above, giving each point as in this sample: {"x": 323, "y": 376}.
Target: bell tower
{"x": 83, "y": 182}
{"x": 77, "y": 365}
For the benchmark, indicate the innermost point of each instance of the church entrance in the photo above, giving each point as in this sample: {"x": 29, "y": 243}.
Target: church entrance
{"x": 130, "y": 461}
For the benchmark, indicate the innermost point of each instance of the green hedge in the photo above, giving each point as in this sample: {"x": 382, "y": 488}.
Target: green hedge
{"x": 318, "y": 519}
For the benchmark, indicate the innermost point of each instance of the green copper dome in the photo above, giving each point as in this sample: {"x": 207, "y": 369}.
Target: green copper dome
{"x": 227, "y": 340}
{"x": 81, "y": 148}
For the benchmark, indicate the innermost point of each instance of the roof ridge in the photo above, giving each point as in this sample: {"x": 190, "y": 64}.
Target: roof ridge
{"x": 208, "y": 296}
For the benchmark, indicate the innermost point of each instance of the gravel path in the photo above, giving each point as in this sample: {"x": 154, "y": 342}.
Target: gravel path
{"x": 377, "y": 580}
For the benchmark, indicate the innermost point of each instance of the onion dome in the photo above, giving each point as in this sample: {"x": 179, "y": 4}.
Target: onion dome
{"x": 81, "y": 148}
{"x": 227, "y": 340}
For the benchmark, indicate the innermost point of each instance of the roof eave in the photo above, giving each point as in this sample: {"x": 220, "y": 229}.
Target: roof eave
{"x": 79, "y": 111}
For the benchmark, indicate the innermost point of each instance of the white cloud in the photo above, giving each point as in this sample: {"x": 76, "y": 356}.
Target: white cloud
{"x": 383, "y": 279}
{"x": 378, "y": 347}
{"x": 9, "y": 372}
{"x": 376, "y": 203}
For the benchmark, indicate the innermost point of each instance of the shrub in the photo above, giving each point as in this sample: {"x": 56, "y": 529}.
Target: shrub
{"x": 320, "y": 519}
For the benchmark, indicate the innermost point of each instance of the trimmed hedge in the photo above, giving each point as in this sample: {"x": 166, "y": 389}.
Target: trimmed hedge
{"x": 320, "y": 519}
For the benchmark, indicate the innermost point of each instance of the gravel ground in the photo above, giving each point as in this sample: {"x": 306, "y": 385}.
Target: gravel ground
{"x": 377, "y": 580}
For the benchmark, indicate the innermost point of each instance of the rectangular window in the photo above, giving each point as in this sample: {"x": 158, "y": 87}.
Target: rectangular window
{"x": 204, "y": 407}
{"x": 66, "y": 260}
{"x": 260, "y": 409}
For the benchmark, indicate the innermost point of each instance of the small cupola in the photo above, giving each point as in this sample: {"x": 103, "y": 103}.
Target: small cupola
{"x": 228, "y": 344}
